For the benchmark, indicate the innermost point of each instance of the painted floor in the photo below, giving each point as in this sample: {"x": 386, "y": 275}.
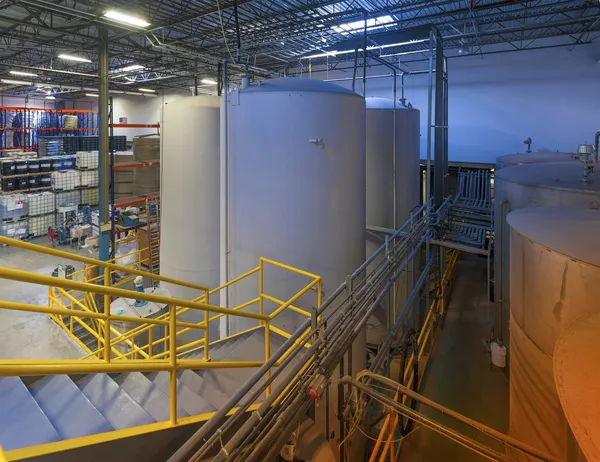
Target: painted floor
{"x": 26, "y": 335}
{"x": 459, "y": 374}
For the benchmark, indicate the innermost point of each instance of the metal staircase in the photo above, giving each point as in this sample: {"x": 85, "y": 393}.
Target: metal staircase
{"x": 58, "y": 407}
{"x": 153, "y": 227}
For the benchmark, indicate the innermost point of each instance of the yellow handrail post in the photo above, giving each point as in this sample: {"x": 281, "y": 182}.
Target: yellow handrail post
{"x": 173, "y": 371}
{"x": 150, "y": 346}
{"x": 206, "y": 329}
{"x": 268, "y": 351}
{"x": 107, "y": 317}
{"x": 71, "y": 320}
{"x": 260, "y": 287}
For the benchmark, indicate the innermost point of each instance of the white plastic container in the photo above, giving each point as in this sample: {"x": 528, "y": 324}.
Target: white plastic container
{"x": 38, "y": 225}
{"x": 14, "y": 229}
{"x": 41, "y": 203}
{"x": 66, "y": 198}
{"x": 88, "y": 196}
{"x": 66, "y": 180}
{"x": 13, "y": 206}
{"x": 86, "y": 160}
{"x": 498, "y": 354}
{"x": 88, "y": 178}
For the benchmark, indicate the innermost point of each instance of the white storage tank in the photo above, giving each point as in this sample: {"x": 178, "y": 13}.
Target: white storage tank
{"x": 189, "y": 241}
{"x": 525, "y": 186}
{"x": 297, "y": 192}
{"x": 384, "y": 143}
{"x": 521, "y": 158}
{"x": 554, "y": 280}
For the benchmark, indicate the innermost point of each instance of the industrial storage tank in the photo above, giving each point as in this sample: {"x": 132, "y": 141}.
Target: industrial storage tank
{"x": 521, "y": 158}
{"x": 393, "y": 155}
{"x": 189, "y": 241}
{"x": 554, "y": 280}
{"x": 297, "y": 193}
{"x": 526, "y": 186}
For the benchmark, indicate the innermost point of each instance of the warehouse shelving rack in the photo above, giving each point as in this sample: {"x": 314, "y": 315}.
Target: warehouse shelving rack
{"x": 27, "y": 124}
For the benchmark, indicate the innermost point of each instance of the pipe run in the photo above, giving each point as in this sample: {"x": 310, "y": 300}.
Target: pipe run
{"x": 401, "y": 389}
{"x": 596, "y": 146}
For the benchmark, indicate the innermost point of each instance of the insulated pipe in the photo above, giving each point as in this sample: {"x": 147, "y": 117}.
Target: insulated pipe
{"x": 515, "y": 443}
{"x": 224, "y": 209}
{"x": 596, "y": 146}
{"x": 429, "y": 423}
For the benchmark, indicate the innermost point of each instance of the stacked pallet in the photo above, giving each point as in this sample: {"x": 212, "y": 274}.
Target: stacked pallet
{"x": 42, "y": 213}
{"x": 86, "y": 163}
{"x": 147, "y": 179}
{"x": 13, "y": 216}
{"x": 123, "y": 176}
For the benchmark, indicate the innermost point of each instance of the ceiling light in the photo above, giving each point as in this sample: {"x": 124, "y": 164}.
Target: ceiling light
{"x": 463, "y": 50}
{"x": 93, "y": 95}
{"x": 126, "y": 18}
{"x": 147, "y": 90}
{"x": 74, "y": 58}
{"x": 16, "y": 82}
{"x": 133, "y": 67}
{"x": 50, "y": 97}
{"x": 209, "y": 81}
{"x": 282, "y": 43}
{"x": 28, "y": 74}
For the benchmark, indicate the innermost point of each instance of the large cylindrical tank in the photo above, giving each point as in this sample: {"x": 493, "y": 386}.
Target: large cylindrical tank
{"x": 384, "y": 144}
{"x": 554, "y": 280}
{"x": 297, "y": 192}
{"x": 189, "y": 242}
{"x": 525, "y": 186}
{"x": 510, "y": 160}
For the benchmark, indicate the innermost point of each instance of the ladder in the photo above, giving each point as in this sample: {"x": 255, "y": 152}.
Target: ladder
{"x": 153, "y": 227}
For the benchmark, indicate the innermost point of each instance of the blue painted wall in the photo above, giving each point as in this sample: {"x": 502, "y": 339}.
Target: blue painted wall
{"x": 550, "y": 95}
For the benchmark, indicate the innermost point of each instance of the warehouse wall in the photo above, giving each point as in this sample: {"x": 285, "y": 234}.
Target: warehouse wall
{"x": 18, "y": 101}
{"x": 142, "y": 110}
{"x": 495, "y": 103}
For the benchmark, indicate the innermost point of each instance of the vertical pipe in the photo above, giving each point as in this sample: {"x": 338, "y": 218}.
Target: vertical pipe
{"x": 402, "y": 91}
{"x": 392, "y": 295}
{"x": 224, "y": 244}
{"x": 173, "y": 371}
{"x": 354, "y": 69}
{"x": 439, "y": 171}
{"x": 365, "y": 58}
{"x": 104, "y": 173}
{"x": 428, "y": 179}
{"x": 112, "y": 177}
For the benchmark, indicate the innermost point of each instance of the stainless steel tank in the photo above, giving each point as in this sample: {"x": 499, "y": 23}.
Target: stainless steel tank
{"x": 189, "y": 243}
{"x": 554, "y": 280}
{"x": 297, "y": 194}
{"x": 392, "y": 158}
{"x": 521, "y": 158}
{"x": 526, "y": 186}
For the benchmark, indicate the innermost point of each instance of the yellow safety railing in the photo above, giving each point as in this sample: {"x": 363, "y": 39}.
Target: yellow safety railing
{"x": 108, "y": 358}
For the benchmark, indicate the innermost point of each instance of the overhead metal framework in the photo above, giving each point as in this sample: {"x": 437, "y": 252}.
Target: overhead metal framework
{"x": 187, "y": 39}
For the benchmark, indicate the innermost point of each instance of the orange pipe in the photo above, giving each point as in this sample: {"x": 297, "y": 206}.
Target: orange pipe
{"x": 388, "y": 443}
{"x": 380, "y": 438}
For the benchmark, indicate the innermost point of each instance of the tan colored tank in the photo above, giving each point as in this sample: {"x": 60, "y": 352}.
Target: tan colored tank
{"x": 554, "y": 280}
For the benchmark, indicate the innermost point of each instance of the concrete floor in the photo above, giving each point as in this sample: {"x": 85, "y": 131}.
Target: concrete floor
{"x": 459, "y": 374}
{"x": 26, "y": 335}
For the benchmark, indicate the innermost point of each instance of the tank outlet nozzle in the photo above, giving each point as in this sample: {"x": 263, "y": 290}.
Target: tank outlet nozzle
{"x": 318, "y": 141}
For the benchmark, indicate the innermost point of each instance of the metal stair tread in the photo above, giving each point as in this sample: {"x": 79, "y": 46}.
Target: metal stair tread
{"x": 195, "y": 383}
{"x": 148, "y": 395}
{"x": 23, "y": 422}
{"x": 67, "y": 408}
{"x": 120, "y": 409}
{"x": 186, "y": 398}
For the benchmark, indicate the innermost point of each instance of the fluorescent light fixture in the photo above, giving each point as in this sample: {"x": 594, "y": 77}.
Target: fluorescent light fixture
{"x": 50, "y": 97}
{"x": 147, "y": 90}
{"x": 133, "y": 67}
{"x": 371, "y": 48}
{"x": 27, "y": 74}
{"x": 74, "y": 58}
{"x": 93, "y": 95}
{"x": 16, "y": 82}
{"x": 126, "y": 18}
{"x": 372, "y": 24}
{"x": 208, "y": 81}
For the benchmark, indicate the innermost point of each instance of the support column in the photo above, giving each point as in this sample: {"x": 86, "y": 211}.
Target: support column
{"x": 104, "y": 162}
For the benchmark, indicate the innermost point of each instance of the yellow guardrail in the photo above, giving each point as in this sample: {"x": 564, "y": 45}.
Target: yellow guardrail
{"x": 109, "y": 357}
